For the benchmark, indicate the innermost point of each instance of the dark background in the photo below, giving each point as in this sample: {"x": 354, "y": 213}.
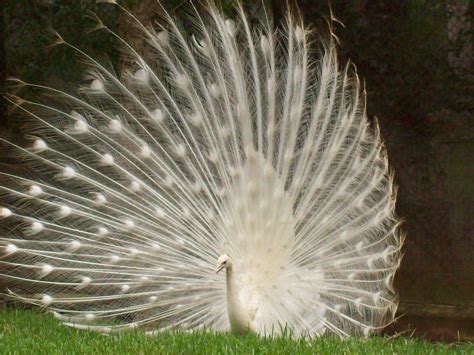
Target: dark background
{"x": 416, "y": 57}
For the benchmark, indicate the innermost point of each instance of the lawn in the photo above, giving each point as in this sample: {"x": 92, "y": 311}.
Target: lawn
{"x": 30, "y": 332}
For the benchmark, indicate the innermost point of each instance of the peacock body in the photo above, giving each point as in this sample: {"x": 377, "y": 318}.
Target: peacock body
{"x": 232, "y": 144}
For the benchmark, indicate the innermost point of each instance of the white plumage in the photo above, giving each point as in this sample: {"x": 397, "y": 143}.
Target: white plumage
{"x": 233, "y": 143}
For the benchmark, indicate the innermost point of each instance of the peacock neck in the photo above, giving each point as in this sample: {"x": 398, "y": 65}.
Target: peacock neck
{"x": 239, "y": 319}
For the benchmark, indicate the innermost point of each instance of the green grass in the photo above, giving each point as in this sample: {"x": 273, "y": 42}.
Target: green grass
{"x": 30, "y": 332}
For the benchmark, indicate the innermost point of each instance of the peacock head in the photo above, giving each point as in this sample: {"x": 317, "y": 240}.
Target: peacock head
{"x": 223, "y": 262}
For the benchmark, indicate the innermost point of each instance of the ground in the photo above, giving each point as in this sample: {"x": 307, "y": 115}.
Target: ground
{"x": 32, "y": 332}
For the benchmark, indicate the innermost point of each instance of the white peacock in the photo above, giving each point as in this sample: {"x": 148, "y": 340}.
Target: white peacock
{"x": 233, "y": 144}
